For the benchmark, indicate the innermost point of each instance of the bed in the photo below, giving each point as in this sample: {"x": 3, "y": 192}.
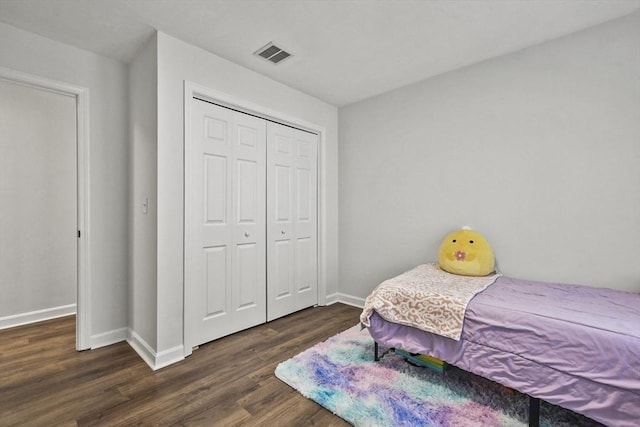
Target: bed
{"x": 573, "y": 346}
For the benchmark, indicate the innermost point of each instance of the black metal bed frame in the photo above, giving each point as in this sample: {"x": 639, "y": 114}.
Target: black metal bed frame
{"x": 534, "y": 402}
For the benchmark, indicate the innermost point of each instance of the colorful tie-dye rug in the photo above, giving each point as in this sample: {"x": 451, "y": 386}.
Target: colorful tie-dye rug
{"x": 340, "y": 375}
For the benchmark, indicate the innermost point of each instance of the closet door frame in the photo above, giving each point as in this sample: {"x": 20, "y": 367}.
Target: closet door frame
{"x": 194, "y": 90}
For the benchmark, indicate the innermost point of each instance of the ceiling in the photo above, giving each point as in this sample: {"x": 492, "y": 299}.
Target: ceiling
{"x": 343, "y": 50}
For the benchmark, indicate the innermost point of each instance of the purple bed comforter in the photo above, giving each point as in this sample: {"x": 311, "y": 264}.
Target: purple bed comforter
{"x": 570, "y": 345}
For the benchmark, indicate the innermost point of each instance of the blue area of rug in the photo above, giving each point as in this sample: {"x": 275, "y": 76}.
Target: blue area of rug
{"x": 341, "y": 375}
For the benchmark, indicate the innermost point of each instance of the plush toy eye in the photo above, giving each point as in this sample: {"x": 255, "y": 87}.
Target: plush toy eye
{"x": 471, "y": 241}
{"x": 454, "y": 240}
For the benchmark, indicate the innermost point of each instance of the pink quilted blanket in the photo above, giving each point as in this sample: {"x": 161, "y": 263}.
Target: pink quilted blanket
{"x": 426, "y": 298}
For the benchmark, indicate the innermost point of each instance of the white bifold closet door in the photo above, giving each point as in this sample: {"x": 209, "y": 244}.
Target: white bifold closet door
{"x": 251, "y": 223}
{"x": 292, "y": 222}
{"x": 225, "y": 287}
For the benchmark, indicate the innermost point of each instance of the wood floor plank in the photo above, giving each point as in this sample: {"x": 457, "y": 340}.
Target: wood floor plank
{"x": 228, "y": 382}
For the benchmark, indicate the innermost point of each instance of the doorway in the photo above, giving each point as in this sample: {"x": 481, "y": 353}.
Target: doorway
{"x": 43, "y": 198}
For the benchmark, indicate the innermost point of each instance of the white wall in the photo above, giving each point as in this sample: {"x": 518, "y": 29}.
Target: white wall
{"x": 179, "y": 61}
{"x": 538, "y": 150}
{"x": 143, "y": 104}
{"x": 108, "y": 140}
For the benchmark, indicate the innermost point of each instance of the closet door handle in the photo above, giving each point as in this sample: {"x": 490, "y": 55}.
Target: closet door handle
{"x": 283, "y": 232}
{"x": 246, "y": 234}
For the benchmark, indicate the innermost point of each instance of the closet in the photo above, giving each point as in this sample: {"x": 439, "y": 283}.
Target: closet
{"x": 251, "y": 221}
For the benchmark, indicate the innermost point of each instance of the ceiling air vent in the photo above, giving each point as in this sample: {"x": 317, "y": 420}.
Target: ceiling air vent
{"x": 272, "y": 53}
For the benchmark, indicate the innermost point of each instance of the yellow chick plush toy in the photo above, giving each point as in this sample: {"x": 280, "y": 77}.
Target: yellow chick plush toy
{"x": 467, "y": 253}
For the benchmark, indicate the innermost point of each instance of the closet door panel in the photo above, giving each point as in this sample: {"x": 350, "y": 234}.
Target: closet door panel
{"x": 250, "y": 199}
{"x": 215, "y": 191}
{"x": 291, "y": 220}
{"x": 306, "y": 165}
{"x": 225, "y": 269}
{"x": 216, "y": 279}
{"x": 280, "y": 211}
{"x": 281, "y": 285}
{"x": 304, "y": 265}
{"x": 247, "y": 277}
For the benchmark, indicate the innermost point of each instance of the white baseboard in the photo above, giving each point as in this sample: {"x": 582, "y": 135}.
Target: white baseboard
{"x": 36, "y": 316}
{"x": 141, "y": 347}
{"x": 350, "y": 300}
{"x": 331, "y": 299}
{"x": 148, "y": 354}
{"x": 108, "y": 338}
{"x": 344, "y": 299}
{"x": 169, "y": 357}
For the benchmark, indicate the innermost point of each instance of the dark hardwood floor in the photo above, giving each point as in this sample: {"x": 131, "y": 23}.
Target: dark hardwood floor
{"x": 45, "y": 382}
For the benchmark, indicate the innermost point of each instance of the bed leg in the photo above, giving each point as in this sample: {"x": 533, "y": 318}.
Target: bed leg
{"x": 375, "y": 351}
{"x": 534, "y": 411}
